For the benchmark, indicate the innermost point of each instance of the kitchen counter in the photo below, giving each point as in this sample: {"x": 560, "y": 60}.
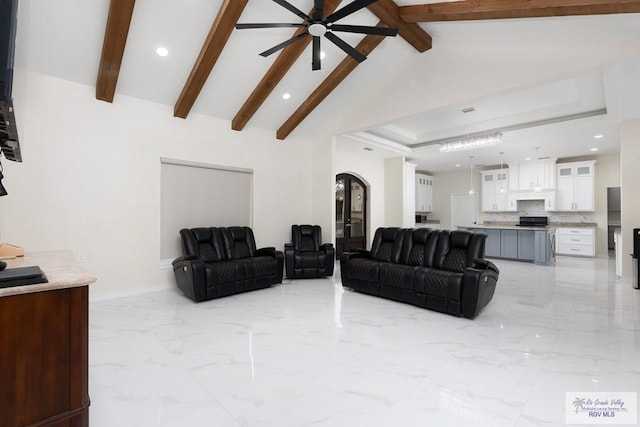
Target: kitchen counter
{"x": 527, "y": 244}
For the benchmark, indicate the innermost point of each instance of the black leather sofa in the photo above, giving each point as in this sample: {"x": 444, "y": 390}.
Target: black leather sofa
{"x": 306, "y": 257}
{"x": 221, "y": 261}
{"x": 438, "y": 270}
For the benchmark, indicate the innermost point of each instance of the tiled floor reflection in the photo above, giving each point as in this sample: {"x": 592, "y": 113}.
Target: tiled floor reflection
{"x": 309, "y": 353}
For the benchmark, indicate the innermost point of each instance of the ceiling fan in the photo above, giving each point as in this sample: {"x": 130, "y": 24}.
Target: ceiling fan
{"x": 318, "y": 25}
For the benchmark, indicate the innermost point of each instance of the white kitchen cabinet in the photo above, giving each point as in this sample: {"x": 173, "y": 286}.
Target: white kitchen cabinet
{"x": 526, "y": 176}
{"x": 575, "y": 241}
{"x": 575, "y": 186}
{"x": 424, "y": 193}
{"x": 495, "y": 191}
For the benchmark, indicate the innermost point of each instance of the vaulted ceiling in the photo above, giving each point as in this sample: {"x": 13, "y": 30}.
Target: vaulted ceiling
{"x": 406, "y": 18}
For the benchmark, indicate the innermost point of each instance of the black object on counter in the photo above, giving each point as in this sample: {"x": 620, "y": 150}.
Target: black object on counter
{"x": 21, "y": 276}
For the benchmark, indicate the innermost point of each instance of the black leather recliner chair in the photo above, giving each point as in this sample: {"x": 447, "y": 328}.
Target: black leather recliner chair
{"x": 224, "y": 261}
{"x": 306, "y": 256}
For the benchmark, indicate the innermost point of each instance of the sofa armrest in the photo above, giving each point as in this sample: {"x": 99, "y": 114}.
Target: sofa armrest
{"x": 266, "y": 251}
{"x": 484, "y": 264}
{"x": 478, "y": 287}
{"x": 190, "y": 277}
{"x": 325, "y": 246}
{"x": 183, "y": 258}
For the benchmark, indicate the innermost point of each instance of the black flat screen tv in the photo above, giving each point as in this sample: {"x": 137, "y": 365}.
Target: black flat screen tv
{"x": 9, "y": 144}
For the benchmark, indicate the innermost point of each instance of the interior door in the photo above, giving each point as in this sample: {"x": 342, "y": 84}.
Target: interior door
{"x": 351, "y": 214}
{"x": 463, "y": 210}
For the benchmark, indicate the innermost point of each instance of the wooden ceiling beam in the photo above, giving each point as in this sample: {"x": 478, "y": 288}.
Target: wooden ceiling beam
{"x": 276, "y": 73}
{"x": 508, "y": 9}
{"x": 115, "y": 40}
{"x": 215, "y": 42}
{"x": 365, "y": 47}
{"x": 388, "y": 12}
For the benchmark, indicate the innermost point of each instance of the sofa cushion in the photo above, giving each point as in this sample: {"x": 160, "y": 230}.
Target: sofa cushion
{"x": 306, "y": 237}
{"x": 441, "y": 283}
{"x": 457, "y": 249}
{"x": 204, "y": 243}
{"x": 397, "y": 275}
{"x": 309, "y": 259}
{"x": 363, "y": 269}
{"x": 224, "y": 272}
{"x": 387, "y": 244}
{"x": 419, "y": 246}
{"x": 238, "y": 242}
{"x": 260, "y": 266}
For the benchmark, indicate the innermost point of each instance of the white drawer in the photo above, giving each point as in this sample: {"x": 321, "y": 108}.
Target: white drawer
{"x": 575, "y": 250}
{"x": 578, "y": 240}
{"x": 575, "y": 231}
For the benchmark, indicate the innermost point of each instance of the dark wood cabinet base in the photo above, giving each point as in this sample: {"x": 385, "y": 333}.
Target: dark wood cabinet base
{"x": 44, "y": 358}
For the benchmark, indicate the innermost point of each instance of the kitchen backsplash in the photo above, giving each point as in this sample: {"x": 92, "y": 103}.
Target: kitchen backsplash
{"x": 536, "y": 208}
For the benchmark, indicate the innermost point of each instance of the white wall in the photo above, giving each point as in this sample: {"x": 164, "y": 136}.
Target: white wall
{"x": 372, "y": 171}
{"x": 394, "y": 192}
{"x": 90, "y": 181}
{"x": 444, "y": 184}
{"x": 629, "y": 176}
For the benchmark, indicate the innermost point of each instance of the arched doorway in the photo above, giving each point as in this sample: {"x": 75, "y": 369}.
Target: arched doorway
{"x": 351, "y": 213}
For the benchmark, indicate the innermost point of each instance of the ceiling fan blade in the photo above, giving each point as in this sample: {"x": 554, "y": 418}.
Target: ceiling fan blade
{"x": 249, "y": 26}
{"x": 318, "y": 10}
{"x": 284, "y": 44}
{"x": 348, "y": 10}
{"x": 315, "y": 65}
{"x": 363, "y": 29}
{"x": 293, "y": 9}
{"x": 346, "y": 47}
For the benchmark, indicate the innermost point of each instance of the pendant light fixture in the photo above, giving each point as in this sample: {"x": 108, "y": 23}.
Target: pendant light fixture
{"x": 471, "y": 191}
{"x": 502, "y": 189}
{"x": 537, "y": 189}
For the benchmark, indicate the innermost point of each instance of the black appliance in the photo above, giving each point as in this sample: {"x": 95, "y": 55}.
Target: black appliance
{"x": 9, "y": 145}
{"x": 636, "y": 253}
{"x": 420, "y": 218}
{"x": 533, "y": 221}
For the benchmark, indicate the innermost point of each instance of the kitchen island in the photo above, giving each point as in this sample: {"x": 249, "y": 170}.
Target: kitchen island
{"x": 44, "y": 344}
{"x": 528, "y": 244}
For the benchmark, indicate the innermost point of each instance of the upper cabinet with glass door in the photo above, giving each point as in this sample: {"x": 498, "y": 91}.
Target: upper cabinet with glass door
{"x": 495, "y": 191}
{"x": 424, "y": 193}
{"x": 575, "y": 186}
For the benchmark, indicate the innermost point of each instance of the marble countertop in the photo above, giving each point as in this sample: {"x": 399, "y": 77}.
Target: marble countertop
{"x": 510, "y": 226}
{"x": 60, "y": 267}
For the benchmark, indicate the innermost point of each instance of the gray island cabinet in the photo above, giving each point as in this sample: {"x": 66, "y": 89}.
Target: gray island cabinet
{"x": 526, "y": 244}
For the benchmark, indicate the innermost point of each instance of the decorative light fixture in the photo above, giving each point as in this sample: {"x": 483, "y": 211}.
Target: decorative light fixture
{"x": 471, "y": 142}
{"x": 161, "y": 51}
{"x": 537, "y": 188}
{"x": 471, "y": 191}
{"x": 502, "y": 189}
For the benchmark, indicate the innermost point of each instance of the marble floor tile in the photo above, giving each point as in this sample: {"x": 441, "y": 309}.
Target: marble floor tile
{"x": 311, "y": 353}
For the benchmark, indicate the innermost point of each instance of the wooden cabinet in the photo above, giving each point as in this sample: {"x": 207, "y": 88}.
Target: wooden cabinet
{"x": 575, "y": 241}
{"x": 495, "y": 191}
{"x": 575, "y": 186}
{"x": 424, "y": 193}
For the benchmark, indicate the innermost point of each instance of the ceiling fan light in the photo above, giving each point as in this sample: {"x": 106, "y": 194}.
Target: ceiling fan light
{"x": 317, "y": 29}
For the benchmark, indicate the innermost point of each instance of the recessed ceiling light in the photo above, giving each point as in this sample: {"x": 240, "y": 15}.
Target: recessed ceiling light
{"x": 527, "y": 158}
{"x": 457, "y": 166}
{"x": 161, "y": 51}
{"x": 322, "y": 54}
{"x": 594, "y": 149}
{"x": 599, "y": 136}
{"x": 286, "y": 96}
